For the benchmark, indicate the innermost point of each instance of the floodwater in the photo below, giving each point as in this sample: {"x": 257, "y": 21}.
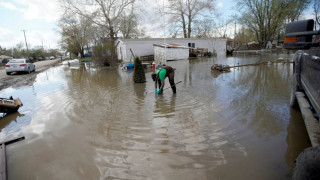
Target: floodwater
{"x": 88, "y": 123}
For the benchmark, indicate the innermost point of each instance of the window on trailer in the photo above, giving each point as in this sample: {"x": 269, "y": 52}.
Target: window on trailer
{"x": 192, "y": 45}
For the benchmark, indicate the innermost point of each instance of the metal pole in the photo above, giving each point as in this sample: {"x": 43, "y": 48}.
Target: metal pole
{"x": 25, "y": 39}
{"x": 172, "y": 85}
{"x": 164, "y": 33}
{"x": 3, "y": 162}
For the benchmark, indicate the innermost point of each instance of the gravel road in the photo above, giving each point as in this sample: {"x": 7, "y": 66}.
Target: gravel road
{"x": 9, "y": 80}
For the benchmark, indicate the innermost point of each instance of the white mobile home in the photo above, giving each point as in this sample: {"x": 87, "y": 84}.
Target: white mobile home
{"x": 144, "y": 47}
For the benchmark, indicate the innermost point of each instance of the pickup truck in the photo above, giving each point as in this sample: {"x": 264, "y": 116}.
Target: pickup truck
{"x": 306, "y": 65}
{"x": 305, "y": 91}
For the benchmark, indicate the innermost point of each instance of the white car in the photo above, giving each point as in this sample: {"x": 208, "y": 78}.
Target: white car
{"x": 52, "y": 58}
{"x": 20, "y": 65}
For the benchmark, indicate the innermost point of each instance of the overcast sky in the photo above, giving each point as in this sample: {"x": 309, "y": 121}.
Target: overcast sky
{"x": 39, "y": 19}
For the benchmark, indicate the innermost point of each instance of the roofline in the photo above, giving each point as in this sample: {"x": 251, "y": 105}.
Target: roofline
{"x": 158, "y": 39}
{"x": 171, "y": 46}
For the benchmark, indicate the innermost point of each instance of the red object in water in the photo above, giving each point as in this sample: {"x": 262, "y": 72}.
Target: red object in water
{"x": 153, "y": 67}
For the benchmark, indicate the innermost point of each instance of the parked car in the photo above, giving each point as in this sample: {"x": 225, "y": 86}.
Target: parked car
{"x": 87, "y": 55}
{"x": 40, "y": 58}
{"x": 30, "y": 58}
{"x": 5, "y": 61}
{"x": 19, "y": 65}
{"x": 52, "y": 58}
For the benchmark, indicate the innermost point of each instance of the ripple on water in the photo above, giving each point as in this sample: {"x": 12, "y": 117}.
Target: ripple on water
{"x": 137, "y": 134}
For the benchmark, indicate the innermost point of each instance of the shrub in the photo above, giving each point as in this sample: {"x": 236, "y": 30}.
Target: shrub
{"x": 105, "y": 54}
{"x": 138, "y": 71}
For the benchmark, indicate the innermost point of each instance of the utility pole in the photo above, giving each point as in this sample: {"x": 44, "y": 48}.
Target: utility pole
{"x": 235, "y": 32}
{"x": 25, "y": 39}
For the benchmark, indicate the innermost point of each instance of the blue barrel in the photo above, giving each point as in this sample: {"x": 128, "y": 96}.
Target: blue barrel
{"x": 129, "y": 65}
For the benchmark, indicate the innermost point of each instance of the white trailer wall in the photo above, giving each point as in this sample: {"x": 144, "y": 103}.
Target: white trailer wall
{"x": 161, "y": 53}
{"x": 144, "y": 47}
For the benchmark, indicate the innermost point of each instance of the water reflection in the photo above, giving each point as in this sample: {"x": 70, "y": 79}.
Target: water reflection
{"x": 217, "y": 125}
{"x": 165, "y": 106}
{"x": 26, "y": 82}
{"x": 216, "y": 74}
{"x": 264, "y": 103}
{"x": 297, "y": 138}
{"x": 6, "y": 119}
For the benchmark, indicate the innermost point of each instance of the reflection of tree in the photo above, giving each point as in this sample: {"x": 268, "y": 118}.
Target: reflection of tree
{"x": 258, "y": 89}
{"x": 8, "y": 118}
{"x": 164, "y": 112}
{"x": 165, "y": 107}
{"x": 26, "y": 81}
{"x": 195, "y": 69}
{"x": 216, "y": 74}
{"x": 111, "y": 108}
{"x": 139, "y": 89}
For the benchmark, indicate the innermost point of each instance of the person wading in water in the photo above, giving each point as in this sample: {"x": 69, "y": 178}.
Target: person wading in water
{"x": 159, "y": 77}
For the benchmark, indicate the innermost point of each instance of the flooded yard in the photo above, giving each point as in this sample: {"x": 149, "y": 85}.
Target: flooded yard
{"x": 88, "y": 123}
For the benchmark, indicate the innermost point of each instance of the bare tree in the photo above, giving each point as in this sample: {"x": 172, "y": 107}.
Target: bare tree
{"x": 316, "y": 10}
{"x": 185, "y": 12}
{"x": 76, "y": 33}
{"x": 129, "y": 27}
{"x": 110, "y": 18}
{"x": 18, "y": 50}
{"x": 267, "y": 17}
{"x": 106, "y": 14}
{"x": 243, "y": 36}
{"x": 223, "y": 26}
{"x": 204, "y": 28}
{"x": 295, "y": 9}
{"x": 4, "y": 51}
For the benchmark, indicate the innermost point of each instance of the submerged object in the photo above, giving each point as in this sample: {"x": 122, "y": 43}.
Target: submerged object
{"x": 220, "y": 67}
{"x": 130, "y": 65}
{"x": 127, "y": 66}
{"x": 10, "y": 105}
{"x": 74, "y": 62}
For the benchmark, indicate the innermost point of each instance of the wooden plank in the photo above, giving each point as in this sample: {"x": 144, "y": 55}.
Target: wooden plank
{"x": 311, "y": 123}
{"x": 147, "y": 58}
{"x": 13, "y": 140}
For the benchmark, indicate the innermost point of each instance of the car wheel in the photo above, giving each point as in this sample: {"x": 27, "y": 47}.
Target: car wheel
{"x": 8, "y": 73}
{"x": 29, "y": 71}
{"x": 307, "y": 165}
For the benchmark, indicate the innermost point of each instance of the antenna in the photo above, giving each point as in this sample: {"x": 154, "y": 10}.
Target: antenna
{"x": 164, "y": 32}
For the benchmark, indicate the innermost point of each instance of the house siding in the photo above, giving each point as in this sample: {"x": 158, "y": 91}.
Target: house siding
{"x": 161, "y": 54}
{"x": 144, "y": 47}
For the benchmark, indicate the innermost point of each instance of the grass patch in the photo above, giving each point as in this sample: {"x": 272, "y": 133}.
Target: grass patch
{"x": 86, "y": 59}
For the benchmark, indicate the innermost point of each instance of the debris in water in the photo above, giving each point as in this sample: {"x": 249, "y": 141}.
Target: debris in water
{"x": 220, "y": 67}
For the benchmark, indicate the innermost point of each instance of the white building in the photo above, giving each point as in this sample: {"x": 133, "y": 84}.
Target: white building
{"x": 170, "y": 52}
{"x": 144, "y": 47}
